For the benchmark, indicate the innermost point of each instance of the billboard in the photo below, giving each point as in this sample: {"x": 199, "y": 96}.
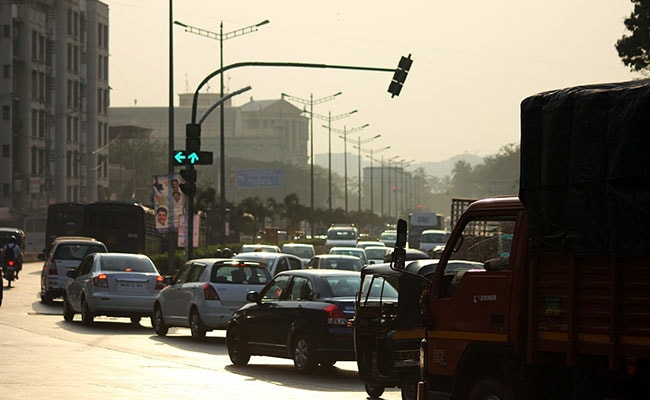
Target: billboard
{"x": 253, "y": 178}
{"x": 169, "y": 202}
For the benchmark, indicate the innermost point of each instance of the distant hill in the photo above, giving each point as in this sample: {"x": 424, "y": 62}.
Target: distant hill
{"x": 434, "y": 168}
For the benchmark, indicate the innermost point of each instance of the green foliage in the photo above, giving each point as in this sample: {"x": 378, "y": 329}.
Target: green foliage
{"x": 497, "y": 175}
{"x": 634, "y": 48}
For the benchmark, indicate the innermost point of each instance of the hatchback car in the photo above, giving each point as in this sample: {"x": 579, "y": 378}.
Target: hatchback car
{"x": 303, "y": 315}
{"x": 274, "y": 262}
{"x": 335, "y": 261}
{"x": 65, "y": 252}
{"x": 304, "y": 251}
{"x": 112, "y": 284}
{"x": 388, "y": 237}
{"x": 377, "y": 254}
{"x": 351, "y": 251}
{"x": 204, "y": 294}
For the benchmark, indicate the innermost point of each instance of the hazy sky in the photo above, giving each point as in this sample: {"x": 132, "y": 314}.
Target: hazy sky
{"x": 474, "y": 61}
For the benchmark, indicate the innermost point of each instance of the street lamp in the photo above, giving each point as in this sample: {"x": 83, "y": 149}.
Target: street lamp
{"x": 403, "y": 163}
{"x": 222, "y": 149}
{"x": 345, "y": 132}
{"x": 372, "y": 178}
{"x": 329, "y": 120}
{"x": 390, "y": 188}
{"x": 311, "y": 103}
{"x": 358, "y": 147}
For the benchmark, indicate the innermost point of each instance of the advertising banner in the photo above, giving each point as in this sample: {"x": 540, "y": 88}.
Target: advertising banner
{"x": 169, "y": 202}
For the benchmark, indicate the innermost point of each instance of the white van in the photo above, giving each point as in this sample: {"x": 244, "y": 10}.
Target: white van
{"x": 341, "y": 236}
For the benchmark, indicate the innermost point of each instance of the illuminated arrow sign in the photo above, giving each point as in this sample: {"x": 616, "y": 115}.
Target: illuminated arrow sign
{"x": 181, "y": 157}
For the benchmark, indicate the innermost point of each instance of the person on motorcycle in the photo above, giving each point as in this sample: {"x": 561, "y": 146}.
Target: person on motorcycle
{"x": 15, "y": 249}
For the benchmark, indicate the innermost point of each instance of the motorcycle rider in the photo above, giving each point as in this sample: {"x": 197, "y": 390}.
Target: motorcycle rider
{"x": 13, "y": 245}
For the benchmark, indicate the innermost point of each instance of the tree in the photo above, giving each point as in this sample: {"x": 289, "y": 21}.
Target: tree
{"x": 634, "y": 49}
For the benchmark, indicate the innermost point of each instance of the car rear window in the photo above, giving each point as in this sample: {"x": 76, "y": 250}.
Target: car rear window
{"x": 77, "y": 251}
{"x": 344, "y": 286}
{"x": 343, "y": 264}
{"x": 240, "y": 274}
{"x": 127, "y": 264}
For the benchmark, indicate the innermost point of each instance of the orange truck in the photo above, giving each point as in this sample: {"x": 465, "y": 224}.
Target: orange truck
{"x": 552, "y": 296}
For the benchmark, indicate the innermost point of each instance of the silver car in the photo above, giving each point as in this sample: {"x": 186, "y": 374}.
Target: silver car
{"x": 205, "y": 293}
{"x": 274, "y": 262}
{"x": 65, "y": 253}
{"x": 112, "y": 284}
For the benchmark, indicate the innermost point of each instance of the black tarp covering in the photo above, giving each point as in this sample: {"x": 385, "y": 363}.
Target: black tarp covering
{"x": 585, "y": 169}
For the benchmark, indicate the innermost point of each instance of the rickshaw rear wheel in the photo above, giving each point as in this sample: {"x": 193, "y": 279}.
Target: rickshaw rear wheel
{"x": 374, "y": 391}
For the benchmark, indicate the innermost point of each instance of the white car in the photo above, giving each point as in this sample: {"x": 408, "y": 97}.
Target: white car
{"x": 248, "y": 248}
{"x": 351, "y": 251}
{"x": 304, "y": 251}
{"x": 274, "y": 262}
{"x": 345, "y": 236}
{"x": 112, "y": 284}
{"x": 432, "y": 238}
{"x": 205, "y": 293}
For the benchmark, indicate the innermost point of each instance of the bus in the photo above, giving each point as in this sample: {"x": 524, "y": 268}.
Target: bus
{"x": 123, "y": 227}
{"x": 64, "y": 219}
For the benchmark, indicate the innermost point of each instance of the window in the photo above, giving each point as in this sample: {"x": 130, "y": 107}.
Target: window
{"x": 6, "y": 113}
{"x": 301, "y": 289}
{"x": 275, "y": 289}
{"x": 68, "y": 129}
{"x": 183, "y": 274}
{"x": 6, "y": 71}
{"x": 34, "y": 161}
{"x": 99, "y": 36}
{"x": 5, "y": 150}
{"x": 34, "y": 45}
{"x": 6, "y": 31}
{"x": 34, "y": 123}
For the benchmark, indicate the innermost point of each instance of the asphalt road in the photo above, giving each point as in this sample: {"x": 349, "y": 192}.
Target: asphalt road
{"x": 44, "y": 357}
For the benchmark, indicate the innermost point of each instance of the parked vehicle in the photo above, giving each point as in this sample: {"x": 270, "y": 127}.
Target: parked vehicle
{"x": 560, "y": 310}
{"x": 204, "y": 294}
{"x": 303, "y": 315}
{"x": 248, "y": 248}
{"x": 335, "y": 261}
{"x": 64, "y": 253}
{"x": 112, "y": 284}
{"x": 274, "y": 262}
{"x": 345, "y": 236}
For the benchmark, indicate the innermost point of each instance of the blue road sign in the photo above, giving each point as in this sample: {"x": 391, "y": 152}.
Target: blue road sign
{"x": 249, "y": 178}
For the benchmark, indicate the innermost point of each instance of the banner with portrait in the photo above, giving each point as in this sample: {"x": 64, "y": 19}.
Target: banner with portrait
{"x": 169, "y": 202}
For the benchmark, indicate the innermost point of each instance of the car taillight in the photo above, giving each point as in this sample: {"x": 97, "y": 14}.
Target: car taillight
{"x": 52, "y": 270}
{"x": 209, "y": 292}
{"x": 335, "y": 316}
{"x": 11, "y": 263}
{"x": 160, "y": 282}
{"x": 101, "y": 280}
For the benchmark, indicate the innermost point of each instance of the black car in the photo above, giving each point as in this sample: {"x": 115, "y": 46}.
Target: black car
{"x": 303, "y": 315}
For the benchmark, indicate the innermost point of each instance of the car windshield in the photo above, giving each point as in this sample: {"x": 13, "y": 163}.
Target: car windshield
{"x": 240, "y": 274}
{"x": 302, "y": 252}
{"x": 376, "y": 253}
{"x": 343, "y": 286}
{"x": 346, "y": 264}
{"x": 378, "y": 289}
{"x": 389, "y": 236}
{"x": 127, "y": 264}
{"x": 76, "y": 251}
{"x": 434, "y": 238}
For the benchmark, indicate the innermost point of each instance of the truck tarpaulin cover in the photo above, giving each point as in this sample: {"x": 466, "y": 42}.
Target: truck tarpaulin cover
{"x": 585, "y": 169}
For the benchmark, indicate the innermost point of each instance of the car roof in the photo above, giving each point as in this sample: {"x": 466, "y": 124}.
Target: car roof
{"x": 82, "y": 239}
{"x": 297, "y": 245}
{"x": 319, "y": 272}
{"x": 434, "y": 231}
{"x": 341, "y": 256}
{"x": 261, "y": 255}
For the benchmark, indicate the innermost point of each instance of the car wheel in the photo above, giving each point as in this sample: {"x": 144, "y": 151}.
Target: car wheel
{"x": 87, "y": 316}
{"x": 135, "y": 320}
{"x": 237, "y": 346}
{"x": 197, "y": 327}
{"x": 46, "y": 298}
{"x": 68, "y": 312}
{"x": 489, "y": 388}
{"x": 303, "y": 359}
{"x": 409, "y": 387}
{"x": 158, "y": 322}
{"x": 374, "y": 391}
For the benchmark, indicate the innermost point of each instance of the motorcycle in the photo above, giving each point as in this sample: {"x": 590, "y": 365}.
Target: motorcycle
{"x": 9, "y": 272}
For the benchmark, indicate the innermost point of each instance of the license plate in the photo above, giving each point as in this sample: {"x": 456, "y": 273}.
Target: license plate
{"x": 132, "y": 285}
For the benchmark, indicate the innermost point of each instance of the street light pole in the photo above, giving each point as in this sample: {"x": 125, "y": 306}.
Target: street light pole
{"x": 222, "y": 152}
{"x": 372, "y": 178}
{"x": 311, "y": 103}
{"x": 345, "y": 132}
{"x": 329, "y": 120}
{"x": 359, "y": 142}
{"x": 390, "y": 188}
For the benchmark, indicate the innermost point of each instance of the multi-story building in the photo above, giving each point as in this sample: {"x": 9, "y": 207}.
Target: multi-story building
{"x": 54, "y": 98}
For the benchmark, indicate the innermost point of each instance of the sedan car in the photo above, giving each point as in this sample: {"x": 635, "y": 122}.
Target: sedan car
{"x": 204, "y": 294}
{"x": 274, "y": 262}
{"x": 335, "y": 261}
{"x": 303, "y": 315}
{"x": 351, "y": 251}
{"x": 112, "y": 284}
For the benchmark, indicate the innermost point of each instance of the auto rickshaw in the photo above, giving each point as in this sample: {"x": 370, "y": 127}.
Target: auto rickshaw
{"x": 387, "y": 325}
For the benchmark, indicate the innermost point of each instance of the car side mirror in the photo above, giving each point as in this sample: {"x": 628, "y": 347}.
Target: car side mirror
{"x": 71, "y": 272}
{"x": 253, "y": 297}
{"x": 168, "y": 280}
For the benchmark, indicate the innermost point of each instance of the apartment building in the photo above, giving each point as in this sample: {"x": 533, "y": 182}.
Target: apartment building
{"x": 54, "y": 100}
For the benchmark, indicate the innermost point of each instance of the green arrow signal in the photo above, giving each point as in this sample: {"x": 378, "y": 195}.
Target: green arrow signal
{"x": 193, "y": 157}
{"x": 179, "y": 157}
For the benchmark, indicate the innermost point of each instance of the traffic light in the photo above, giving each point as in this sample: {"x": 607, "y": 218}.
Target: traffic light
{"x": 189, "y": 177}
{"x": 400, "y": 75}
{"x": 192, "y": 138}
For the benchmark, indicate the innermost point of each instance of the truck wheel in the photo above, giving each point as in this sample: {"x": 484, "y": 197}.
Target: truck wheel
{"x": 374, "y": 391}
{"x": 490, "y": 388}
